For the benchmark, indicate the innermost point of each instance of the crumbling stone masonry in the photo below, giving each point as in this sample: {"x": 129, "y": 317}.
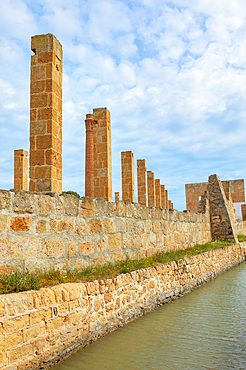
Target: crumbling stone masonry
{"x": 195, "y": 191}
{"x": 41, "y": 327}
{"x": 142, "y": 182}
{"x": 151, "y": 189}
{"x": 127, "y": 171}
{"x": 42, "y": 230}
{"x": 46, "y": 114}
{"x": 158, "y": 193}
{"x": 102, "y": 154}
{"x": 222, "y": 226}
{"x": 89, "y": 157}
{"x": 20, "y": 169}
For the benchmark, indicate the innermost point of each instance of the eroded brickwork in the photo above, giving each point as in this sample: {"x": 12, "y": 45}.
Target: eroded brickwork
{"x": 142, "y": 182}
{"x": 20, "y": 169}
{"x": 158, "y": 193}
{"x": 194, "y": 192}
{"x": 40, "y": 327}
{"x": 39, "y": 230}
{"x": 89, "y": 157}
{"x": 46, "y": 114}
{"x": 222, "y": 226}
{"x": 102, "y": 154}
{"x": 127, "y": 173}
{"x": 151, "y": 189}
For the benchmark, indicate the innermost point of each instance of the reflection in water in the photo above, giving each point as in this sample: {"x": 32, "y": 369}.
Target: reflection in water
{"x": 205, "y": 329}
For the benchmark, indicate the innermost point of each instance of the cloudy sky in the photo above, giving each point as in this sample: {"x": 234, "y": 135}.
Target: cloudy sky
{"x": 172, "y": 74}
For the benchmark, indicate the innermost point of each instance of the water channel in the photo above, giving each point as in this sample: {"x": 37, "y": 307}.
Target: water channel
{"x": 206, "y": 329}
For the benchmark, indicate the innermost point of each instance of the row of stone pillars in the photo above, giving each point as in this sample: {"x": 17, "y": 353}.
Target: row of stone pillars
{"x": 150, "y": 191}
{"x": 45, "y": 164}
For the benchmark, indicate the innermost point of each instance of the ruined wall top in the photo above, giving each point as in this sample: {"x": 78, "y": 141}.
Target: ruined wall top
{"x": 46, "y": 43}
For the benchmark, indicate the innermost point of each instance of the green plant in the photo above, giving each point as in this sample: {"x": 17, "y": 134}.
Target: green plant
{"x": 71, "y": 192}
{"x": 241, "y": 238}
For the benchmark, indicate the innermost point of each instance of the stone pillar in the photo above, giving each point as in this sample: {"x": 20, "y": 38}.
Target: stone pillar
{"x": 102, "y": 154}
{"x": 158, "y": 193}
{"x": 89, "y": 157}
{"x": 243, "y": 208}
{"x": 163, "y": 197}
{"x": 166, "y": 192}
{"x": 151, "y": 188}
{"x": 46, "y": 114}
{"x": 169, "y": 204}
{"x": 127, "y": 171}
{"x": 116, "y": 196}
{"x": 142, "y": 182}
{"x": 20, "y": 169}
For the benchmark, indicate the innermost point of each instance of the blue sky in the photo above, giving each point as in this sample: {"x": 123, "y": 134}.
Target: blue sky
{"x": 171, "y": 73}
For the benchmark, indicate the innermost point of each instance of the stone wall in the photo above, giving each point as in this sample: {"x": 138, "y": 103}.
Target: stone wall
{"x": 38, "y": 328}
{"x": 40, "y": 230}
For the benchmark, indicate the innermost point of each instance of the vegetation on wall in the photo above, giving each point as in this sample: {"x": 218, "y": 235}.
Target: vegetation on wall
{"x": 23, "y": 280}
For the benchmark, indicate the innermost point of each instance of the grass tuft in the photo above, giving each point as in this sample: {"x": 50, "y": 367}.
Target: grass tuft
{"x": 241, "y": 238}
{"x": 23, "y": 280}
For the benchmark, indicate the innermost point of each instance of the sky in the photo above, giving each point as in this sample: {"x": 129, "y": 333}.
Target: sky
{"x": 171, "y": 73}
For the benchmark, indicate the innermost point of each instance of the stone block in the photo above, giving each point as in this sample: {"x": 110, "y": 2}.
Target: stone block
{"x": 41, "y": 227}
{"x": 23, "y": 202}
{"x": 100, "y": 207}
{"x": 34, "y": 331}
{"x": 71, "y": 203}
{"x": 87, "y": 248}
{"x": 21, "y": 223}
{"x": 4, "y": 199}
{"x": 95, "y": 225}
{"x": 111, "y": 209}
{"x": 121, "y": 208}
{"x": 3, "y": 223}
{"x": 87, "y": 204}
{"x": 41, "y": 315}
{"x": 11, "y": 340}
{"x": 114, "y": 241}
{"x": 80, "y": 227}
{"x": 120, "y": 225}
{"x": 44, "y": 204}
{"x": 52, "y": 247}
{"x": 24, "y": 351}
{"x": 17, "y": 323}
{"x": 102, "y": 244}
{"x": 72, "y": 248}
{"x": 127, "y": 241}
{"x": 108, "y": 225}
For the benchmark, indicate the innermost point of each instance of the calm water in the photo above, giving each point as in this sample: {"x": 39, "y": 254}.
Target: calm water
{"x": 205, "y": 329}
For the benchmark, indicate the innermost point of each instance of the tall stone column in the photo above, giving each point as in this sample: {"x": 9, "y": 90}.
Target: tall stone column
{"x": 167, "y": 206}
{"x": 127, "y": 170}
{"x": 163, "y": 197}
{"x": 46, "y": 114}
{"x": 20, "y": 169}
{"x": 89, "y": 157}
{"x": 102, "y": 154}
{"x": 142, "y": 182}
{"x": 117, "y": 196}
{"x": 158, "y": 193}
{"x": 151, "y": 189}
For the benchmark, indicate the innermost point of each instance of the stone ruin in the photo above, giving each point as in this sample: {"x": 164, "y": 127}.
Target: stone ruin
{"x": 45, "y": 168}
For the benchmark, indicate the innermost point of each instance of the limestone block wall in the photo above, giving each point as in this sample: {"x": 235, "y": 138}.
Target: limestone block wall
{"x": 39, "y": 230}
{"x": 38, "y": 328}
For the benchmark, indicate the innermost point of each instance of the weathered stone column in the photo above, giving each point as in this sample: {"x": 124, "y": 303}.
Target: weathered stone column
{"x": 46, "y": 114}
{"x": 151, "y": 188}
{"x": 102, "y": 154}
{"x": 167, "y": 206}
{"x": 243, "y": 209}
{"x": 163, "y": 197}
{"x": 89, "y": 157}
{"x": 127, "y": 171}
{"x": 158, "y": 193}
{"x": 20, "y": 169}
{"x": 142, "y": 182}
{"x": 116, "y": 196}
